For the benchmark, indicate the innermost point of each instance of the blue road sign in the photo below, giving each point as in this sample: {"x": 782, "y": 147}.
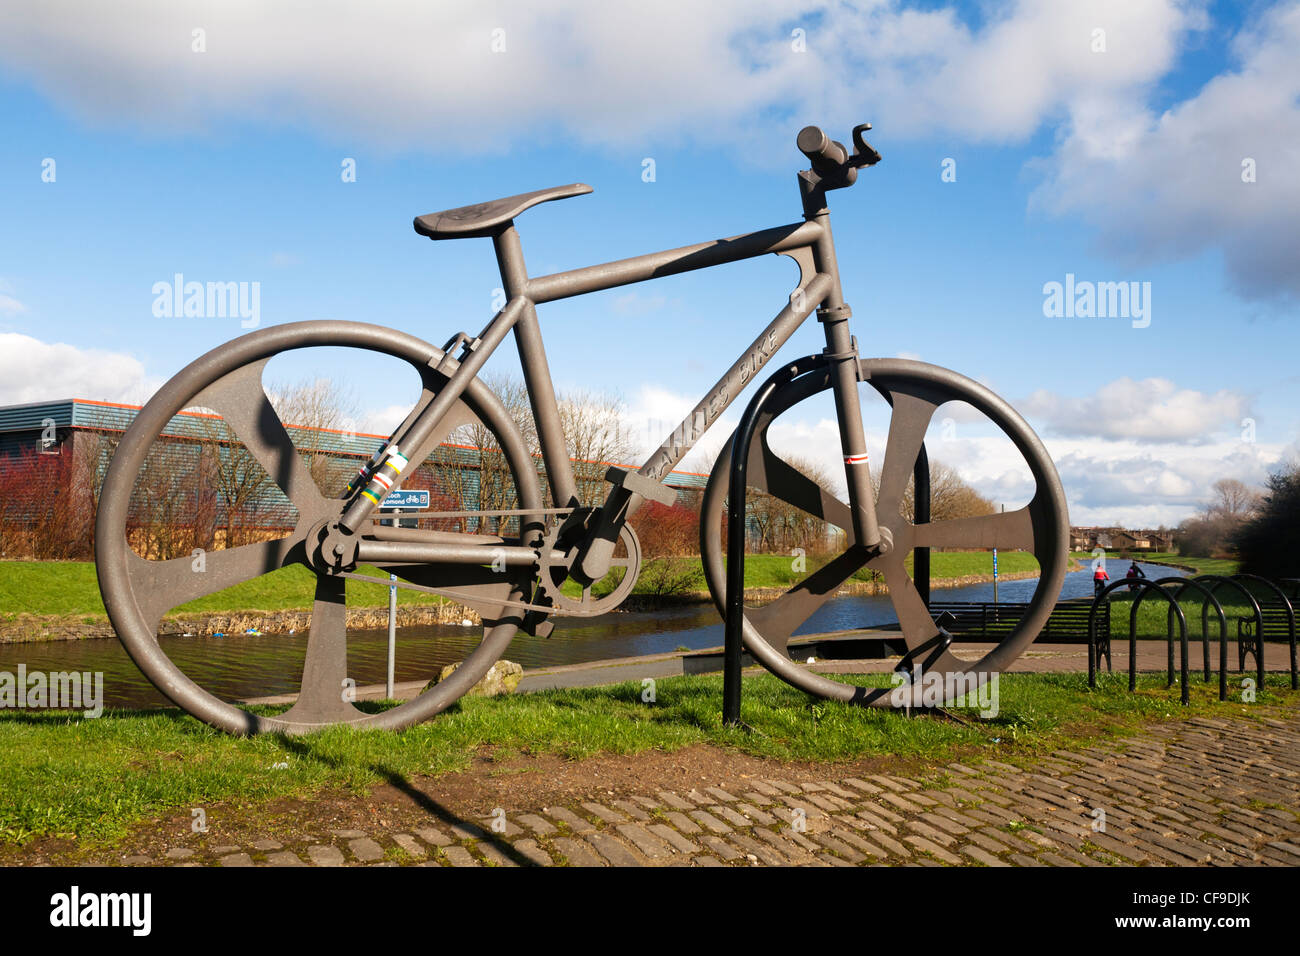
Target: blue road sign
{"x": 406, "y": 500}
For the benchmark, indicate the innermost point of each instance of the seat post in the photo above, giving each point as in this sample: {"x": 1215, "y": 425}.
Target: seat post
{"x": 510, "y": 259}
{"x": 537, "y": 372}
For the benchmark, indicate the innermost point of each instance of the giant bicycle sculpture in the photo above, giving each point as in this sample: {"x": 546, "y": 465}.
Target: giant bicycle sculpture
{"x": 516, "y": 579}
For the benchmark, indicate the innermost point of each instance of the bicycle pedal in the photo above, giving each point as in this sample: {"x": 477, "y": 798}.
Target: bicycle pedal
{"x": 945, "y": 622}
{"x": 536, "y": 624}
{"x": 639, "y": 484}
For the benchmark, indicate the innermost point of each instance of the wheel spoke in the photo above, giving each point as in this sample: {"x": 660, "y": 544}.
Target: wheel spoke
{"x": 778, "y": 620}
{"x": 788, "y": 484}
{"x": 322, "y": 695}
{"x": 913, "y": 616}
{"x": 160, "y": 586}
{"x": 907, "y": 427}
{"x": 241, "y": 401}
{"x": 1009, "y": 530}
{"x": 914, "y": 620}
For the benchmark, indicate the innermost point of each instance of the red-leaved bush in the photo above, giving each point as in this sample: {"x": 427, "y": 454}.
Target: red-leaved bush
{"x": 667, "y": 531}
{"x": 44, "y": 512}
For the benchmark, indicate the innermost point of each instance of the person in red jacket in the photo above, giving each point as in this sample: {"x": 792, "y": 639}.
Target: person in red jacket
{"x": 1099, "y": 579}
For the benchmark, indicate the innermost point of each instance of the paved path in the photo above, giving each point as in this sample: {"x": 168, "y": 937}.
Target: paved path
{"x": 1204, "y": 791}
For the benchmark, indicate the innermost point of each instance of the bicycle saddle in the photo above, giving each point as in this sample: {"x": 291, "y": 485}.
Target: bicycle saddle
{"x": 483, "y": 218}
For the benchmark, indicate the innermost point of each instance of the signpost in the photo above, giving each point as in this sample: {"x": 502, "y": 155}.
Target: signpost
{"x": 995, "y": 568}
{"x": 403, "y": 500}
{"x": 396, "y": 502}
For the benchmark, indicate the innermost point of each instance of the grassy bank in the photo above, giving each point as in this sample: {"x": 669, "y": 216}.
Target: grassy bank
{"x": 92, "y": 779}
{"x": 1114, "y": 561}
{"x": 1153, "y": 612}
{"x": 69, "y": 588}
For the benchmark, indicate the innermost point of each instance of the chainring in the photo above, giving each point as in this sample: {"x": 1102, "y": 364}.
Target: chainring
{"x": 561, "y": 549}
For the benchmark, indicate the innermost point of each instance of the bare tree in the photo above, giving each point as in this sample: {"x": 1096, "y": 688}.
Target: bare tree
{"x": 777, "y": 525}
{"x": 1233, "y": 499}
{"x": 311, "y": 409}
{"x": 1213, "y": 532}
{"x": 595, "y": 437}
{"x": 161, "y": 516}
{"x": 951, "y": 496}
{"x": 479, "y": 469}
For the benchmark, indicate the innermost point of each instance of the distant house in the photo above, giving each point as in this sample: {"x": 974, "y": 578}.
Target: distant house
{"x": 1120, "y": 539}
{"x": 1124, "y": 541}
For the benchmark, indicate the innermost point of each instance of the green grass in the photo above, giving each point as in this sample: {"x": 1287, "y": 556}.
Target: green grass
{"x": 93, "y": 779}
{"x": 49, "y": 587}
{"x": 1201, "y": 565}
{"x": 1153, "y": 613}
{"x": 777, "y": 570}
{"x": 69, "y": 588}
{"x": 1114, "y": 559}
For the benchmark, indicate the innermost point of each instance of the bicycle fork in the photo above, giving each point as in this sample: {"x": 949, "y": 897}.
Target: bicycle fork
{"x": 842, "y": 353}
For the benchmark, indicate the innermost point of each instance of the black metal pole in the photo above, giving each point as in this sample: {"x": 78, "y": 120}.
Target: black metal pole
{"x": 735, "y": 621}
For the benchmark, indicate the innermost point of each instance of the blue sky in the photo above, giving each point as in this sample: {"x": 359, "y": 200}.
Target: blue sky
{"x": 1115, "y": 164}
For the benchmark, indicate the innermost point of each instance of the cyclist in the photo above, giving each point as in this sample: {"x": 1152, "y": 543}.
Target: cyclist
{"x": 1134, "y": 572}
{"x": 1099, "y": 579}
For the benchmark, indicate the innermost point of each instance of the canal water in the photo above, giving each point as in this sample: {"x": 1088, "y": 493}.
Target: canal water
{"x": 239, "y": 666}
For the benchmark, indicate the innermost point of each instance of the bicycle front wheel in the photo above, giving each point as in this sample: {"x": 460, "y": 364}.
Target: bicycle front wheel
{"x": 914, "y": 392}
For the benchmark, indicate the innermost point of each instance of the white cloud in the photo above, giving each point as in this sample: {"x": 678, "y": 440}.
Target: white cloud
{"x": 8, "y": 304}
{"x": 1148, "y": 484}
{"x": 36, "y": 371}
{"x": 413, "y": 74}
{"x": 1139, "y": 454}
{"x": 600, "y": 72}
{"x": 1154, "y": 409}
{"x": 1169, "y": 185}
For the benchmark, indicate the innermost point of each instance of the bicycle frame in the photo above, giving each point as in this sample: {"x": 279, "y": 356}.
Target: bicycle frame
{"x": 808, "y": 243}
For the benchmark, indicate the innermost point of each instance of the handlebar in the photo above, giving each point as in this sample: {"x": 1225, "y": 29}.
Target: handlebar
{"x": 831, "y": 160}
{"x": 822, "y": 151}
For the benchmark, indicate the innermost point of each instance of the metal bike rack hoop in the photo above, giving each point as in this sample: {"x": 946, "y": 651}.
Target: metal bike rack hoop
{"x": 735, "y": 621}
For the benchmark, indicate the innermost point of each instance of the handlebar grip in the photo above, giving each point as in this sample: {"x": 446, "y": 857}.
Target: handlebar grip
{"x": 820, "y": 148}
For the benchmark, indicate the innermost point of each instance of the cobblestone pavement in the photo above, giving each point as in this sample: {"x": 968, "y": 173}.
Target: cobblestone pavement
{"x": 1213, "y": 792}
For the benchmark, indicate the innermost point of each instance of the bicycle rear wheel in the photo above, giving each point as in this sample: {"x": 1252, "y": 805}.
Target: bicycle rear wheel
{"x": 139, "y": 588}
